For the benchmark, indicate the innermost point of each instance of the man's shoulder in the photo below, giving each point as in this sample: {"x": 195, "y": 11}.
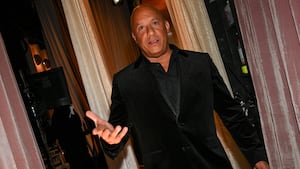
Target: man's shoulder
{"x": 128, "y": 70}
{"x": 125, "y": 69}
{"x": 188, "y": 53}
{"x": 193, "y": 55}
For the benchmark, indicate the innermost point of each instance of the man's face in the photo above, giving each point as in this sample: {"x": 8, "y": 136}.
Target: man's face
{"x": 150, "y": 31}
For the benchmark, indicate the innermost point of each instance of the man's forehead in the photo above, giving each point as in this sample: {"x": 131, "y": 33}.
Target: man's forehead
{"x": 148, "y": 12}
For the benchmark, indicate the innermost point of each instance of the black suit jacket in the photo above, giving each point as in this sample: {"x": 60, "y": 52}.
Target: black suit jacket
{"x": 189, "y": 140}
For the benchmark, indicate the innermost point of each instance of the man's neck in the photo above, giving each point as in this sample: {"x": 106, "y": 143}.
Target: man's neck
{"x": 163, "y": 60}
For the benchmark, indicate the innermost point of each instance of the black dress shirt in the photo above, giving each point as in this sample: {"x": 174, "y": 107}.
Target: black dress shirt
{"x": 169, "y": 82}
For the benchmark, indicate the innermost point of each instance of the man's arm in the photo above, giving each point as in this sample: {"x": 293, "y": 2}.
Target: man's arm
{"x": 236, "y": 122}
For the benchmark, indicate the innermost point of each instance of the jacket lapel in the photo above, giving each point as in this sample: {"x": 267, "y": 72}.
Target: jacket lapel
{"x": 184, "y": 69}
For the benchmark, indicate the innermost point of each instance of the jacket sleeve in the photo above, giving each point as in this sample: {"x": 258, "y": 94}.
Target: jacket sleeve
{"x": 235, "y": 120}
{"x": 118, "y": 116}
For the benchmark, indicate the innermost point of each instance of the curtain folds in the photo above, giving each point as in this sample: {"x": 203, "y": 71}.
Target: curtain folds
{"x": 19, "y": 148}
{"x": 98, "y": 51}
{"x": 56, "y": 33}
{"x": 272, "y": 46}
{"x": 113, "y": 33}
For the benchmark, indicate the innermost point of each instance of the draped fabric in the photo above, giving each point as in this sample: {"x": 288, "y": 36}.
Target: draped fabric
{"x": 113, "y": 30}
{"x": 100, "y": 36}
{"x": 19, "y": 149}
{"x": 271, "y": 34}
{"x": 61, "y": 50}
{"x": 194, "y": 32}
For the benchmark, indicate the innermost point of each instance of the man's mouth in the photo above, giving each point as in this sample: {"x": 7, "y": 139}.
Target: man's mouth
{"x": 153, "y": 42}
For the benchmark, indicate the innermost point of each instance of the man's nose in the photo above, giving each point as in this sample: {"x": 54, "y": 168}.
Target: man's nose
{"x": 150, "y": 30}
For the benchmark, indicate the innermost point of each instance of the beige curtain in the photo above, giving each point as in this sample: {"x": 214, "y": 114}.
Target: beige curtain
{"x": 271, "y": 34}
{"x": 92, "y": 44}
{"x": 194, "y": 32}
{"x": 60, "y": 49}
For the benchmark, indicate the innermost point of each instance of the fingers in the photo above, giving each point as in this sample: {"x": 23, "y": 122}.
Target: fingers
{"x": 105, "y": 130}
{"x": 92, "y": 116}
{"x": 116, "y": 132}
{"x": 119, "y": 133}
{"x": 100, "y": 123}
{"x": 116, "y": 136}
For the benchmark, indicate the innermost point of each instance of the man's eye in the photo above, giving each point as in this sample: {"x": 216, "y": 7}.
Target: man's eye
{"x": 155, "y": 23}
{"x": 140, "y": 28}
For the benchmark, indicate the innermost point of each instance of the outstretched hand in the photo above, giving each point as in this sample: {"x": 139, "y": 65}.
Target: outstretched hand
{"x": 105, "y": 130}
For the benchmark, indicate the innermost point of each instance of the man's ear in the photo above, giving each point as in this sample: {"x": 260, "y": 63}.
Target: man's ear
{"x": 133, "y": 37}
{"x": 167, "y": 25}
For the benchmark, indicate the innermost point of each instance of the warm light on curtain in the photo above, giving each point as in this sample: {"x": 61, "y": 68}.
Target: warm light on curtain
{"x": 62, "y": 52}
{"x": 60, "y": 46}
{"x": 114, "y": 35}
{"x": 92, "y": 53}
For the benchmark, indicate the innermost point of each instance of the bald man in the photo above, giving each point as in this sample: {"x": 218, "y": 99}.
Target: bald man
{"x": 167, "y": 98}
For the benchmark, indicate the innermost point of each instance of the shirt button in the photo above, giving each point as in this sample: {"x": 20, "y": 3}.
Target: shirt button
{"x": 185, "y": 148}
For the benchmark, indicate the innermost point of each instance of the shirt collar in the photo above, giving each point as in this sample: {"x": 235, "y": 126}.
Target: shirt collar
{"x": 143, "y": 59}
